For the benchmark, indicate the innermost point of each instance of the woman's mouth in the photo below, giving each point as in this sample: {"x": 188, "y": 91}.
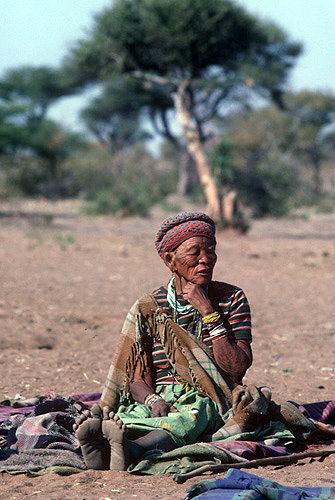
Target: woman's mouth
{"x": 204, "y": 272}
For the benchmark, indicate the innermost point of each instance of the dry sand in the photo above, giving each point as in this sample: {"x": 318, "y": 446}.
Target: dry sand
{"x": 67, "y": 282}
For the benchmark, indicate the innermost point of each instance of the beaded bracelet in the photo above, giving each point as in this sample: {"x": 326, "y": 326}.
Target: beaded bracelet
{"x": 151, "y": 399}
{"x": 211, "y": 318}
{"x": 217, "y": 331}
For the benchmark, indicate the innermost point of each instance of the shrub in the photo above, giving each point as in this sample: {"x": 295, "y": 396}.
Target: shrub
{"x": 21, "y": 176}
{"x": 136, "y": 182}
{"x": 269, "y": 188}
{"x": 267, "y": 184}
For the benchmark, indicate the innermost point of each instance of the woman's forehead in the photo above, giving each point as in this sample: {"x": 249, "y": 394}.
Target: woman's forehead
{"x": 197, "y": 241}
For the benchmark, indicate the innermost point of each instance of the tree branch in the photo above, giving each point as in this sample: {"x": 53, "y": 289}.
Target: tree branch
{"x": 168, "y": 133}
{"x": 160, "y": 80}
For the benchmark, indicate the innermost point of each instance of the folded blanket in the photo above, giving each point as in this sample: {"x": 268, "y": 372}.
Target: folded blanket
{"x": 42, "y": 438}
{"x": 240, "y": 485}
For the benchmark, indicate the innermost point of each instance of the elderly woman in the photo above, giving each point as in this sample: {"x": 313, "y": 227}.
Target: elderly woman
{"x": 182, "y": 350}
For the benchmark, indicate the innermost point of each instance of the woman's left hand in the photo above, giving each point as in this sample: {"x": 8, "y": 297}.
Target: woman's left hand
{"x": 197, "y": 297}
{"x": 161, "y": 409}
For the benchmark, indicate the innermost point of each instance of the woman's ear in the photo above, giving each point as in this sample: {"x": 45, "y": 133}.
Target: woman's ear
{"x": 168, "y": 258}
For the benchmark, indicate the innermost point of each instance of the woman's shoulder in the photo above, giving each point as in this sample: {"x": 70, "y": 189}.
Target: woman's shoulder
{"x": 220, "y": 289}
{"x": 160, "y": 294}
{"x": 162, "y": 290}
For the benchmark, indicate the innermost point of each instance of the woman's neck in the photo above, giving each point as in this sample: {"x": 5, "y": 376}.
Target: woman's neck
{"x": 180, "y": 282}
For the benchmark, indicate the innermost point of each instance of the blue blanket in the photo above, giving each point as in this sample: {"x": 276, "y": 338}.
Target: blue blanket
{"x": 240, "y": 485}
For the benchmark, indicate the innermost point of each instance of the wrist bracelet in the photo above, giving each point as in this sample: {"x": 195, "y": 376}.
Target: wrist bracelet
{"x": 219, "y": 330}
{"x": 211, "y": 318}
{"x": 151, "y": 399}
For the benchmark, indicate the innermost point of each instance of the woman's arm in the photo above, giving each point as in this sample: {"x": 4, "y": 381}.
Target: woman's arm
{"x": 142, "y": 388}
{"x": 231, "y": 338}
{"x": 234, "y": 357}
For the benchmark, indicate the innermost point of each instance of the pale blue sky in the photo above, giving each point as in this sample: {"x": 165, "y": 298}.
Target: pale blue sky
{"x": 36, "y": 32}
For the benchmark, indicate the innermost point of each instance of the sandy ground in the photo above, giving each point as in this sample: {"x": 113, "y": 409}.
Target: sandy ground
{"x": 67, "y": 282}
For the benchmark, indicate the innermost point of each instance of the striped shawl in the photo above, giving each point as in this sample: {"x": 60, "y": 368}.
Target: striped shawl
{"x": 191, "y": 359}
{"x": 242, "y": 408}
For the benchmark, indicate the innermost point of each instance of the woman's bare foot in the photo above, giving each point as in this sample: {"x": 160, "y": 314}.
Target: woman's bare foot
{"x": 94, "y": 447}
{"x": 122, "y": 450}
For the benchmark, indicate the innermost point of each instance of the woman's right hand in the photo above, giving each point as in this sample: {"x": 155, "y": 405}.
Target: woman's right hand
{"x": 161, "y": 409}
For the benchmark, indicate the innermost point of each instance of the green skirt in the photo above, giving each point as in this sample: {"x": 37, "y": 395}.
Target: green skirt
{"x": 196, "y": 417}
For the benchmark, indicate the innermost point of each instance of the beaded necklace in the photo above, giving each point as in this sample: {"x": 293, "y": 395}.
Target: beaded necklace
{"x": 196, "y": 325}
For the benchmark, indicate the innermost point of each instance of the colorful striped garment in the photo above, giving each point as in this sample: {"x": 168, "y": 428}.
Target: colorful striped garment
{"x": 229, "y": 300}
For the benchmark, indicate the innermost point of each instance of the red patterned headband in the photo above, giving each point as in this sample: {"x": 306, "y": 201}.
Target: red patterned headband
{"x": 181, "y": 227}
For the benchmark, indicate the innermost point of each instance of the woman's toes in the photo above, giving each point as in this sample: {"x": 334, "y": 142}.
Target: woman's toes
{"x": 85, "y": 415}
{"x": 96, "y": 411}
{"x": 105, "y": 413}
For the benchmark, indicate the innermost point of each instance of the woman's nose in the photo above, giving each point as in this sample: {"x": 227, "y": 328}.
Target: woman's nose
{"x": 204, "y": 256}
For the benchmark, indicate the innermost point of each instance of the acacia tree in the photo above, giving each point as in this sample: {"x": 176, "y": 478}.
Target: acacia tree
{"x": 313, "y": 119}
{"x": 202, "y": 54}
{"x": 35, "y": 89}
{"x": 303, "y": 133}
{"x": 26, "y": 95}
{"x": 265, "y": 154}
{"x": 114, "y": 117}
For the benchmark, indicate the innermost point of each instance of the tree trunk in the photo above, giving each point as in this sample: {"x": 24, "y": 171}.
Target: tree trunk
{"x": 188, "y": 176}
{"x": 316, "y": 175}
{"x": 196, "y": 150}
{"x": 229, "y": 206}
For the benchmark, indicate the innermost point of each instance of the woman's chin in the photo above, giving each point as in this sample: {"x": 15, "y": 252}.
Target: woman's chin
{"x": 203, "y": 280}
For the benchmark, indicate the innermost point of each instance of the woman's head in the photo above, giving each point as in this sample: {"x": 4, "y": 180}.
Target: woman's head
{"x": 186, "y": 242}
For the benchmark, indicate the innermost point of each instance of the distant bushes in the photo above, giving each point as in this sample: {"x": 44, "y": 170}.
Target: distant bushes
{"x": 135, "y": 182}
{"x": 270, "y": 188}
{"x": 126, "y": 184}
{"x": 268, "y": 183}
{"x": 21, "y": 176}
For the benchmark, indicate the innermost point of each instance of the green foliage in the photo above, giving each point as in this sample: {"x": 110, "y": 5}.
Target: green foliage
{"x": 266, "y": 154}
{"x": 133, "y": 185}
{"x": 226, "y": 53}
{"x": 222, "y": 159}
{"x": 21, "y": 176}
{"x": 114, "y": 116}
{"x": 267, "y": 185}
{"x": 89, "y": 171}
{"x": 35, "y": 88}
{"x": 179, "y": 36}
{"x": 314, "y": 122}
{"x": 25, "y": 97}
{"x": 223, "y": 52}
{"x": 269, "y": 188}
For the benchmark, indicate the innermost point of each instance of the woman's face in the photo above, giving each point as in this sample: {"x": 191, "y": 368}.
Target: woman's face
{"x": 194, "y": 260}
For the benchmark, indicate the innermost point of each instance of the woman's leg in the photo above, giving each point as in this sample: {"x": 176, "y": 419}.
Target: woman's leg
{"x": 124, "y": 451}
{"x": 103, "y": 441}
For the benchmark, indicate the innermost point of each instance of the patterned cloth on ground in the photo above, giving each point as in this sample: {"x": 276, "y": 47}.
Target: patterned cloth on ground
{"x": 61, "y": 452}
{"x": 241, "y": 485}
{"x": 42, "y": 438}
